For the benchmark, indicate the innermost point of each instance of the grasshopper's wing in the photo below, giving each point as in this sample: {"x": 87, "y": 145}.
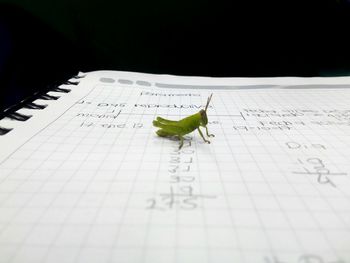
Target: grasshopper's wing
{"x": 171, "y": 129}
{"x": 165, "y": 121}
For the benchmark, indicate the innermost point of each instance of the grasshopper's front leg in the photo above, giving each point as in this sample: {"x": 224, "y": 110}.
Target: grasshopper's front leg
{"x": 209, "y": 135}
{"x": 201, "y": 134}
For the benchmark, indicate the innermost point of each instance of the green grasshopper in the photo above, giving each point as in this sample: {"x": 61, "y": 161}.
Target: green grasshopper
{"x": 169, "y": 128}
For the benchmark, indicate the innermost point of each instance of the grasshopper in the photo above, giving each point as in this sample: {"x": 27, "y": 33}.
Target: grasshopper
{"x": 169, "y": 128}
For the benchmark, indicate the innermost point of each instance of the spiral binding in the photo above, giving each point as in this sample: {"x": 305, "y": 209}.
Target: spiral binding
{"x": 28, "y": 103}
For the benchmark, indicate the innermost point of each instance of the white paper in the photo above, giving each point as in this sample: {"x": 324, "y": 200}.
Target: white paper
{"x": 88, "y": 180}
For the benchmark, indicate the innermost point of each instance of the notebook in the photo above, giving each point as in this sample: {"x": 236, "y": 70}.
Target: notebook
{"x": 85, "y": 178}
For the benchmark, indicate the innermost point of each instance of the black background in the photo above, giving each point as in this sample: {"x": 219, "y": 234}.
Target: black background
{"x": 42, "y": 42}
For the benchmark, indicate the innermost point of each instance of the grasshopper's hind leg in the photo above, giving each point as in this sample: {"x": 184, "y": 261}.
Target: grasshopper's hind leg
{"x": 162, "y": 133}
{"x": 181, "y": 141}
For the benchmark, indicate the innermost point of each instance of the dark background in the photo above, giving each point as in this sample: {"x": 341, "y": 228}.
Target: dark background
{"x": 42, "y": 42}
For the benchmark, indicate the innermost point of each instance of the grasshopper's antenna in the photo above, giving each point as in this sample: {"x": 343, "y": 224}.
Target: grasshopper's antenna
{"x": 208, "y": 101}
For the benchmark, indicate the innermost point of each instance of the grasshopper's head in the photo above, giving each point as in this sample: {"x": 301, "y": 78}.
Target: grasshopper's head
{"x": 203, "y": 113}
{"x": 204, "y": 118}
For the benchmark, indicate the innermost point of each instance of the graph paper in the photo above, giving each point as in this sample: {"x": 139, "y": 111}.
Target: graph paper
{"x": 88, "y": 179}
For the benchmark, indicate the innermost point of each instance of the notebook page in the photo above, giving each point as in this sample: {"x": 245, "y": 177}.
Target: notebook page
{"x": 88, "y": 180}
